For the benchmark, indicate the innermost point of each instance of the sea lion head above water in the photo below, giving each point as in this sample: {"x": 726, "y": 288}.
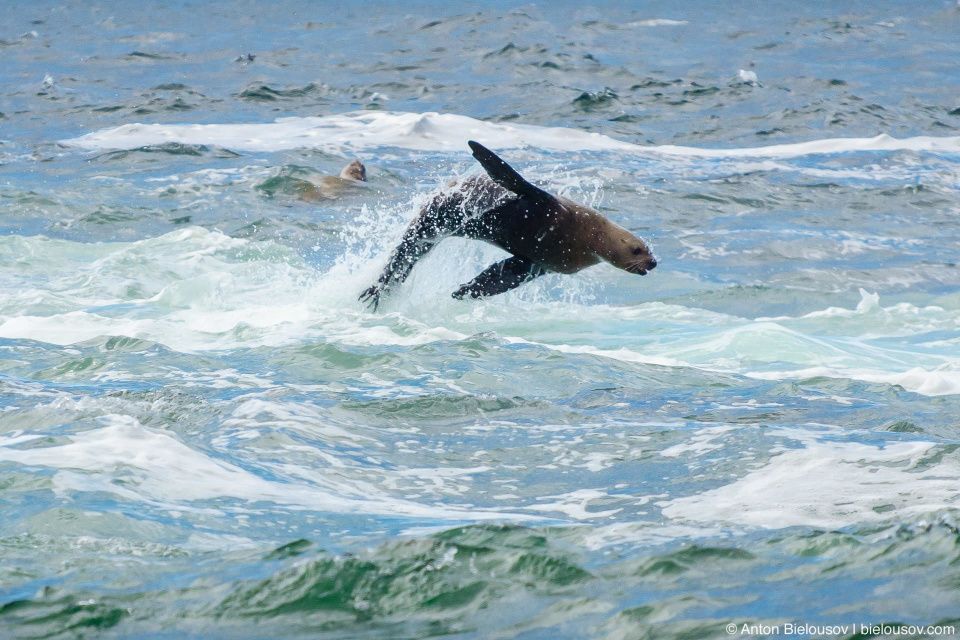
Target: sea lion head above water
{"x": 320, "y": 188}
{"x": 354, "y": 171}
{"x": 308, "y": 186}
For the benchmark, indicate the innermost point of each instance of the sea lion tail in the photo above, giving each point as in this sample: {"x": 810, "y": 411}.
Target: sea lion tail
{"x": 503, "y": 174}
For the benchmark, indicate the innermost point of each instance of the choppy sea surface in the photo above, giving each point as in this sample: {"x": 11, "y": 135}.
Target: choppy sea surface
{"x": 203, "y": 434}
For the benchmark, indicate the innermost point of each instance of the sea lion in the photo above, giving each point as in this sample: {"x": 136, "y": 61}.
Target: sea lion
{"x": 543, "y": 232}
{"x": 332, "y": 187}
{"x": 309, "y": 187}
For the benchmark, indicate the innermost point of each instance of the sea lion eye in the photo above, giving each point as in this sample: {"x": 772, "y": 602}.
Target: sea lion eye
{"x": 638, "y": 250}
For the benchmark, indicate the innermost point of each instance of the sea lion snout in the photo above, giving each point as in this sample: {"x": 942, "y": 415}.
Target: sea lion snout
{"x": 643, "y": 267}
{"x": 645, "y": 261}
{"x": 624, "y": 250}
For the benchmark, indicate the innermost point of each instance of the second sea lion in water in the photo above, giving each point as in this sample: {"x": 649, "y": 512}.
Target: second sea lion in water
{"x": 331, "y": 187}
{"x": 306, "y": 185}
{"x": 543, "y": 232}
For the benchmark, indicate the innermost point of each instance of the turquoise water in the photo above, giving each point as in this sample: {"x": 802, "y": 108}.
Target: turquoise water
{"x": 204, "y": 434}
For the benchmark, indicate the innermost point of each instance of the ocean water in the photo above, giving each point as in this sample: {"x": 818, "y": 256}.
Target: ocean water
{"x": 203, "y": 434}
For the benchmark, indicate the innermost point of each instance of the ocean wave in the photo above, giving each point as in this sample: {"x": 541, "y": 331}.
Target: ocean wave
{"x": 830, "y": 485}
{"x": 159, "y": 470}
{"x": 364, "y": 130}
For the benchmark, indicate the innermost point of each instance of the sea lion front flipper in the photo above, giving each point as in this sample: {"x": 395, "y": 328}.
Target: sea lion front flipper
{"x": 500, "y": 277}
{"x": 438, "y": 218}
{"x": 416, "y": 244}
{"x": 503, "y": 174}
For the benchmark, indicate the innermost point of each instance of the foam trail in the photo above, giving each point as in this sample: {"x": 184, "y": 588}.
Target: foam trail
{"x": 658, "y": 22}
{"x": 210, "y": 298}
{"x": 941, "y": 381}
{"x": 829, "y": 485}
{"x": 362, "y": 130}
{"x": 160, "y": 470}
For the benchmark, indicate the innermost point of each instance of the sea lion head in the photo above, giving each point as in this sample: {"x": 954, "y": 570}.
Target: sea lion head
{"x": 354, "y": 171}
{"x": 621, "y": 248}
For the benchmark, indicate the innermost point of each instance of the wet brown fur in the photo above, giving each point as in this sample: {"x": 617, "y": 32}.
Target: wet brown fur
{"x": 321, "y": 188}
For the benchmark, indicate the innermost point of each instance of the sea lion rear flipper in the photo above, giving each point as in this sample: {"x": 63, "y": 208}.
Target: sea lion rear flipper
{"x": 503, "y": 174}
{"x": 500, "y": 277}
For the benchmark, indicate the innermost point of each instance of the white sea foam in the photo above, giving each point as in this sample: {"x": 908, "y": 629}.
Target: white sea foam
{"x": 703, "y": 441}
{"x": 940, "y": 381}
{"x": 626, "y": 355}
{"x": 351, "y": 132}
{"x": 835, "y": 343}
{"x": 575, "y": 504}
{"x": 200, "y": 290}
{"x": 196, "y": 290}
{"x": 831, "y": 485}
{"x": 365, "y": 130}
{"x": 747, "y": 77}
{"x": 158, "y": 469}
{"x": 657, "y": 22}
{"x": 870, "y": 319}
{"x": 647, "y": 534}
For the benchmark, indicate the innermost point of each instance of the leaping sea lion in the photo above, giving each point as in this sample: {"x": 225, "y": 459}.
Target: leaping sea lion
{"x": 543, "y": 232}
